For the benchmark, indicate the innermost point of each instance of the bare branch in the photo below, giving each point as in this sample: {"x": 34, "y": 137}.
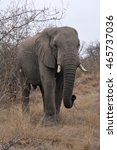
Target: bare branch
{"x": 16, "y": 23}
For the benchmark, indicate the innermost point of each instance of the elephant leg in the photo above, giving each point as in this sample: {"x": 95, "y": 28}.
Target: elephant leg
{"x": 58, "y": 92}
{"x": 25, "y": 98}
{"x": 48, "y": 83}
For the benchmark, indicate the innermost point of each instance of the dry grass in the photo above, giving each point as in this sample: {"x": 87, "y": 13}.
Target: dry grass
{"x": 77, "y": 130}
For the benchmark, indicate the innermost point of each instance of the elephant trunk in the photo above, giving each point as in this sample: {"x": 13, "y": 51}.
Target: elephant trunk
{"x": 69, "y": 69}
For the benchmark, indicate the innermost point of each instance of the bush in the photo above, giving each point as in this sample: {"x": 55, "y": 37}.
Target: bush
{"x": 91, "y": 60}
{"x": 16, "y": 23}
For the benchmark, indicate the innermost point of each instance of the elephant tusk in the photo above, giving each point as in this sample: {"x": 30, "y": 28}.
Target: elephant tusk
{"x": 58, "y": 69}
{"x": 82, "y": 68}
{"x": 20, "y": 70}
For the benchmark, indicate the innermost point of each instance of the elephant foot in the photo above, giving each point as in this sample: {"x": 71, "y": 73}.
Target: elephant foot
{"x": 49, "y": 121}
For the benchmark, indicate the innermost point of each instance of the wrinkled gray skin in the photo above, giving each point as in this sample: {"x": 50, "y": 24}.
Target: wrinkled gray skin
{"x": 38, "y": 58}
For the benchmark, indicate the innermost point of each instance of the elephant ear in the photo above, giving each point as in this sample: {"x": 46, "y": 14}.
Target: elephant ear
{"x": 44, "y": 50}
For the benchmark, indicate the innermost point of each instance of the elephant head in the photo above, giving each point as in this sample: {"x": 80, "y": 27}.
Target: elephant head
{"x": 58, "y": 49}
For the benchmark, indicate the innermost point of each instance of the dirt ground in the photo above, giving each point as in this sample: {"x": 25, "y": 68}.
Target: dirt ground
{"x": 78, "y": 129}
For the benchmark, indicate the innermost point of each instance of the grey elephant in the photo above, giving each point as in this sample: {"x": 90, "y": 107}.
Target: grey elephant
{"x": 49, "y": 60}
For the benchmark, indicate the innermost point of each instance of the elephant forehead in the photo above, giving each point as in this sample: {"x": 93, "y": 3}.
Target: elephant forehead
{"x": 68, "y": 37}
{"x": 66, "y": 42}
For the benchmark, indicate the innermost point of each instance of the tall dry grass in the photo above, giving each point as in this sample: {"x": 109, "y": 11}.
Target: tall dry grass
{"x": 78, "y": 128}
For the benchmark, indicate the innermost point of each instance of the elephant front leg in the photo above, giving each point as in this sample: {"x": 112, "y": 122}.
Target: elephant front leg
{"x": 50, "y": 108}
{"x": 48, "y": 83}
{"x": 49, "y": 104}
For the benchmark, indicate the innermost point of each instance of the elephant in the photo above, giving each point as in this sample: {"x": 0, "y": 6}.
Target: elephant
{"x": 49, "y": 60}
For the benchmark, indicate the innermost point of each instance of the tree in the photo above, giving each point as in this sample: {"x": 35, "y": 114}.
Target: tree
{"x": 16, "y": 23}
{"x": 92, "y": 57}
